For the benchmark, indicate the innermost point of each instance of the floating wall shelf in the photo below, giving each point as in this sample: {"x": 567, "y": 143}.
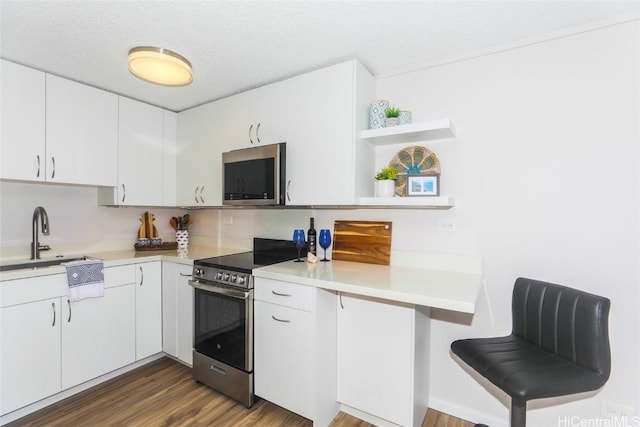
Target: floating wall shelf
{"x": 408, "y": 202}
{"x": 423, "y": 131}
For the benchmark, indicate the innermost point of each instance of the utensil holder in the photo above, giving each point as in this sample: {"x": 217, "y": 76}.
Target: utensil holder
{"x": 182, "y": 238}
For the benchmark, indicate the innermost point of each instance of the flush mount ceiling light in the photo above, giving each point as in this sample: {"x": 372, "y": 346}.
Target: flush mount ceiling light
{"x": 160, "y": 66}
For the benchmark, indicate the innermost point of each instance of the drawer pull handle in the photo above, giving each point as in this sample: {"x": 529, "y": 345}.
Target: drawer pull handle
{"x": 280, "y": 320}
{"x": 53, "y": 307}
{"x": 218, "y": 370}
{"x": 69, "y": 304}
{"x": 185, "y": 275}
{"x": 279, "y": 294}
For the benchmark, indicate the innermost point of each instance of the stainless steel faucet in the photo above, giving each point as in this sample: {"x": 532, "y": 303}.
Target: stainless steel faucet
{"x": 40, "y": 213}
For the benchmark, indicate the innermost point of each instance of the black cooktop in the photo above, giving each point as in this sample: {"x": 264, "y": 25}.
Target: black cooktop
{"x": 265, "y": 252}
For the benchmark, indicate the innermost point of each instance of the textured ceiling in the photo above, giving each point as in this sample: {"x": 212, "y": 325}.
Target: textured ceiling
{"x": 237, "y": 45}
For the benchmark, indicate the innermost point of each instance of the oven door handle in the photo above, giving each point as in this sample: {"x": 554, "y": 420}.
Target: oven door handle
{"x": 220, "y": 290}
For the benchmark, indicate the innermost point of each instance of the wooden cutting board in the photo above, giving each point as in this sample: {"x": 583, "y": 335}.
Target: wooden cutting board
{"x": 362, "y": 241}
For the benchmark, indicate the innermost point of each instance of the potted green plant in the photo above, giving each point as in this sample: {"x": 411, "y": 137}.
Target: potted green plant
{"x": 392, "y": 116}
{"x": 386, "y": 182}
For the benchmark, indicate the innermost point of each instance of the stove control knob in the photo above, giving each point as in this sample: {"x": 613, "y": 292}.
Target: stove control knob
{"x": 225, "y": 277}
{"x": 197, "y": 272}
{"x": 219, "y": 275}
{"x": 241, "y": 280}
{"x": 234, "y": 278}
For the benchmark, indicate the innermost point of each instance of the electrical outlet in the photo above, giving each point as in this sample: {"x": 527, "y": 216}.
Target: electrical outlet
{"x": 447, "y": 225}
{"x": 227, "y": 219}
{"x": 613, "y": 410}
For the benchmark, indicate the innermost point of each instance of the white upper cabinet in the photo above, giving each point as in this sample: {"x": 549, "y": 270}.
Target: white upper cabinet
{"x": 203, "y": 134}
{"x": 22, "y": 107}
{"x": 169, "y": 138}
{"x": 140, "y": 157}
{"x": 327, "y": 109}
{"x": 146, "y": 157}
{"x": 319, "y": 115}
{"x": 258, "y": 116}
{"x": 81, "y": 133}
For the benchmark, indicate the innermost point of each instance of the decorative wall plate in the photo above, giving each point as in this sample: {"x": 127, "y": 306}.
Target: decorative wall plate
{"x": 413, "y": 161}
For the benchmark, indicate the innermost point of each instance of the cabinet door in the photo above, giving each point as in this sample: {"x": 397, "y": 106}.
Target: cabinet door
{"x": 98, "y": 335}
{"x": 140, "y": 156}
{"x": 184, "y": 312}
{"x": 82, "y": 133}
{"x": 320, "y": 146}
{"x": 22, "y": 143}
{"x": 169, "y": 137}
{"x": 375, "y": 352}
{"x": 203, "y": 135}
{"x": 29, "y": 353}
{"x": 148, "y": 309}
{"x": 284, "y": 357}
{"x": 259, "y": 116}
{"x": 169, "y": 308}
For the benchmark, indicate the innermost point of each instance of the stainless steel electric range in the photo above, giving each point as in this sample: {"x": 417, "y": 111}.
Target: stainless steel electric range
{"x": 223, "y": 310}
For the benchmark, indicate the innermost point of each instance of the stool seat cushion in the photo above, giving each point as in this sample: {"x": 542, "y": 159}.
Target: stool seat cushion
{"x": 524, "y": 370}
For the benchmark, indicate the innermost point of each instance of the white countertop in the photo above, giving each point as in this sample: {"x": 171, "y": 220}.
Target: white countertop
{"x": 448, "y": 290}
{"x": 122, "y": 257}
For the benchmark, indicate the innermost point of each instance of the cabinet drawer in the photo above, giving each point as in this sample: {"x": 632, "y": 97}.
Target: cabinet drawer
{"x": 120, "y": 275}
{"x": 284, "y": 293}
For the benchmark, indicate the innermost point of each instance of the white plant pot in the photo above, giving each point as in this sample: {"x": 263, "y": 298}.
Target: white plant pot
{"x": 385, "y": 188}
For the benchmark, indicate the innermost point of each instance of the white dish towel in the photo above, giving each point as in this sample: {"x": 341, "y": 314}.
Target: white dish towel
{"x": 85, "y": 279}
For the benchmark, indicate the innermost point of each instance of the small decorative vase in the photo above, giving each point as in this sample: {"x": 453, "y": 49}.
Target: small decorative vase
{"x": 377, "y": 113}
{"x": 385, "y": 188}
{"x": 404, "y": 118}
{"x": 391, "y": 121}
{"x": 182, "y": 237}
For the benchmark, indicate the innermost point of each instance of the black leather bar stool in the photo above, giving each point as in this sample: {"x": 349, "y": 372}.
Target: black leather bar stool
{"x": 559, "y": 345}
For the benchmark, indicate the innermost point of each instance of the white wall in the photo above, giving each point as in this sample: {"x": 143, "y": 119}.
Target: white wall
{"x": 545, "y": 171}
{"x": 75, "y": 220}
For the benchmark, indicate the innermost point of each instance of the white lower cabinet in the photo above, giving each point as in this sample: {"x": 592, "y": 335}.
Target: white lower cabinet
{"x": 148, "y": 309}
{"x": 29, "y": 352}
{"x": 98, "y": 334}
{"x": 177, "y": 311}
{"x": 49, "y": 344}
{"x": 295, "y": 348}
{"x": 284, "y": 344}
{"x": 383, "y": 358}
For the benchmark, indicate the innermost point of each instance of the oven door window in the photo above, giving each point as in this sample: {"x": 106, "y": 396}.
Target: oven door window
{"x": 221, "y": 328}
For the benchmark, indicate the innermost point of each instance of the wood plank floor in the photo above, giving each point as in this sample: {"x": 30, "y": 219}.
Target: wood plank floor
{"x": 163, "y": 393}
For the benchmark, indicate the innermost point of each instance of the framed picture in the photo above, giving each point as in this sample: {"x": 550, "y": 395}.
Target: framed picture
{"x": 423, "y": 185}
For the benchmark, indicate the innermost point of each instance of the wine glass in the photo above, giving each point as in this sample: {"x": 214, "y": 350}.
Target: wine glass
{"x": 298, "y": 239}
{"x": 325, "y": 241}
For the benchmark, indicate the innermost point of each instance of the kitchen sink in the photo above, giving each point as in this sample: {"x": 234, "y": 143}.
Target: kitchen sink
{"x": 39, "y": 263}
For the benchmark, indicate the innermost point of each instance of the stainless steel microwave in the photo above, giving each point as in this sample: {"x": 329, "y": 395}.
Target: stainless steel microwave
{"x": 254, "y": 176}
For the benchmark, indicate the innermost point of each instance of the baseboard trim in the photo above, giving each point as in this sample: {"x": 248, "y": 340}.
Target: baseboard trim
{"x": 466, "y": 413}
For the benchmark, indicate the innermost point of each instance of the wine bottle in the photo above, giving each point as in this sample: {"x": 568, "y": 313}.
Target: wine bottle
{"x": 311, "y": 237}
